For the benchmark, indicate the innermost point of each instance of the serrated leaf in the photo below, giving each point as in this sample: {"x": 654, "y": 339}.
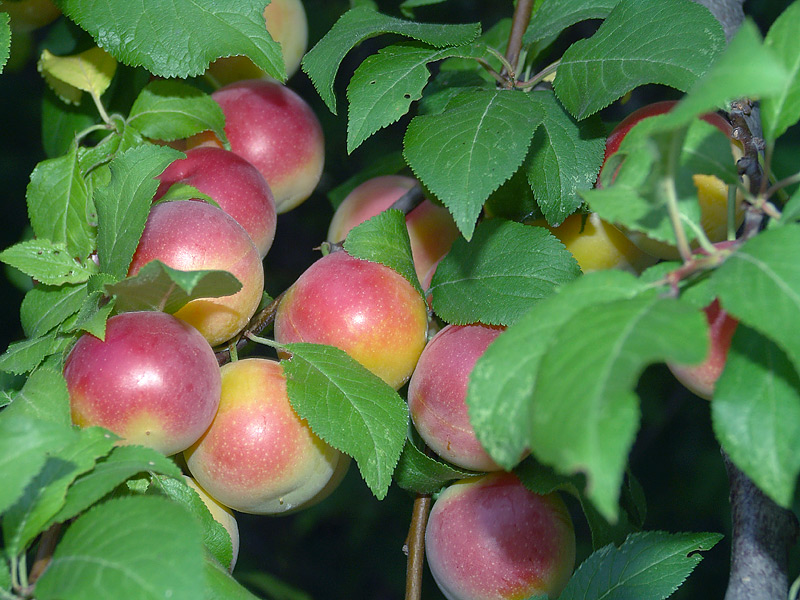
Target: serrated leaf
{"x": 358, "y": 24}
{"x": 465, "y": 153}
{"x": 93, "y": 315}
{"x": 384, "y": 239}
{"x": 500, "y": 274}
{"x": 24, "y": 445}
{"x": 408, "y": 5}
{"x": 641, "y": 41}
{"x": 555, "y": 16}
{"x": 123, "y": 205}
{"x": 157, "y": 286}
{"x": 220, "y": 585}
{"x": 585, "y": 390}
{"x": 24, "y": 356}
{"x": 746, "y": 68}
{"x": 565, "y": 156}
{"x": 122, "y": 463}
{"x": 59, "y": 206}
{"x": 759, "y": 284}
{"x": 500, "y": 395}
{"x": 781, "y": 111}
{"x": 386, "y": 83}
{"x": 5, "y": 40}
{"x": 648, "y": 566}
{"x": 328, "y": 388}
{"x": 756, "y": 414}
{"x": 33, "y": 511}
{"x": 69, "y": 76}
{"x": 155, "y": 34}
{"x": 171, "y": 110}
{"x": 110, "y": 548}
{"x": 422, "y": 474}
{"x": 44, "y": 396}
{"x": 44, "y": 307}
{"x": 47, "y": 262}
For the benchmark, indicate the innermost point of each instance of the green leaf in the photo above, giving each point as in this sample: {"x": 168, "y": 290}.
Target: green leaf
{"x": 24, "y": 356}
{"x": 216, "y": 539}
{"x": 5, "y": 571}
{"x": 5, "y": 39}
{"x": 221, "y": 586}
{"x": 44, "y": 396}
{"x": 62, "y": 121}
{"x": 756, "y": 414}
{"x": 44, "y": 307}
{"x": 386, "y": 83}
{"x": 157, "y": 286}
{"x": 123, "y": 205}
{"x": 565, "y": 156}
{"x": 555, "y": 16}
{"x": 111, "y": 548}
{"x": 641, "y": 41}
{"x": 585, "y": 388}
{"x": 48, "y": 262}
{"x": 25, "y": 444}
{"x": 69, "y": 76}
{"x": 111, "y": 471}
{"x": 746, "y": 68}
{"x": 648, "y": 566}
{"x": 408, "y": 5}
{"x": 790, "y": 213}
{"x": 500, "y": 396}
{"x": 500, "y": 274}
{"x": 358, "y": 24}
{"x": 32, "y": 513}
{"x": 422, "y": 474}
{"x": 781, "y": 111}
{"x": 184, "y": 191}
{"x": 327, "y": 388}
{"x": 59, "y": 206}
{"x": 155, "y": 34}
{"x": 759, "y": 284}
{"x": 171, "y": 110}
{"x": 93, "y": 315}
{"x": 463, "y": 154}
{"x": 384, "y": 239}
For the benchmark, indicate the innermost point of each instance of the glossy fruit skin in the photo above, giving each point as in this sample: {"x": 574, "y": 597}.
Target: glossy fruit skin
{"x": 489, "y": 538}
{"x": 222, "y": 515}
{"x": 364, "y": 308}
{"x": 711, "y": 191}
{"x": 154, "y": 381}
{"x": 437, "y": 392}
{"x": 431, "y": 229}
{"x": 275, "y": 129}
{"x": 287, "y": 24}
{"x": 233, "y": 183}
{"x": 597, "y": 245}
{"x": 28, "y": 15}
{"x": 190, "y": 235}
{"x": 702, "y": 378}
{"x": 258, "y": 456}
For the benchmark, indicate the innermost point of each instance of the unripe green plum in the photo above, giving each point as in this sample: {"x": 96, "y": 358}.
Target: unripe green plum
{"x": 431, "y": 229}
{"x": 190, "y": 235}
{"x": 258, "y": 456}
{"x": 154, "y": 381}
{"x": 222, "y": 515}
{"x": 364, "y": 308}
{"x": 233, "y": 183}
{"x": 438, "y": 389}
{"x": 490, "y": 538}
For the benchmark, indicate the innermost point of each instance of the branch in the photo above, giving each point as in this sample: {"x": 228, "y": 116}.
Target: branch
{"x": 410, "y": 200}
{"x": 522, "y": 16}
{"x": 256, "y": 325}
{"x": 763, "y": 533}
{"x": 415, "y": 546}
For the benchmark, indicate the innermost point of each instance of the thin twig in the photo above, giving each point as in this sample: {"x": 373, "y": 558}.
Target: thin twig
{"x": 256, "y": 325}
{"x": 415, "y": 546}
{"x": 522, "y": 16}
{"x": 410, "y": 200}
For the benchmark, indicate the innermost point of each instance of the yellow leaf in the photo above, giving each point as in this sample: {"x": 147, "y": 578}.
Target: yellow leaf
{"x": 69, "y": 76}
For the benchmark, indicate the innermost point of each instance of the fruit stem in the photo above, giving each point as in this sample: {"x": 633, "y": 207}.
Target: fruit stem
{"x": 257, "y": 324}
{"x": 668, "y": 183}
{"x": 731, "y": 212}
{"x": 414, "y": 546}
{"x": 519, "y": 23}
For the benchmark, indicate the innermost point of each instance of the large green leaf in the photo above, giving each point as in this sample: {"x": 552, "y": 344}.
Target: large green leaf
{"x": 641, "y": 41}
{"x": 422, "y": 474}
{"x": 47, "y": 262}
{"x": 44, "y": 307}
{"x": 465, "y": 153}
{"x": 554, "y": 16}
{"x": 112, "y": 548}
{"x": 496, "y": 277}
{"x": 781, "y": 111}
{"x": 221, "y": 586}
{"x": 358, "y": 24}
{"x": 5, "y": 40}
{"x": 328, "y": 388}
{"x": 156, "y": 34}
{"x": 44, "y": 396}
{"x": 24, "y": 356}
{"x": 756, "y": 414}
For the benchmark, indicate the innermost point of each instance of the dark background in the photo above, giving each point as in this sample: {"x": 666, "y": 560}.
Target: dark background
{"x": 350, "y": 546}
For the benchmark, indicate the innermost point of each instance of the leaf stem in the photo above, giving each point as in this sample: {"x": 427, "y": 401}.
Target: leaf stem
{"x": 257, "y": 324}
{"x": 489, "y": 69}
{"x": 519, "y": 23}
{"x": 263, "y": 341}
{"x": 668, "y": 184}
{"x": 508, "y": 72}
{"x": 540, "y": 76}
{"x": 415, "y": 546}
{"x": 100, "y": 108}
{"x": 783, "y": 183}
